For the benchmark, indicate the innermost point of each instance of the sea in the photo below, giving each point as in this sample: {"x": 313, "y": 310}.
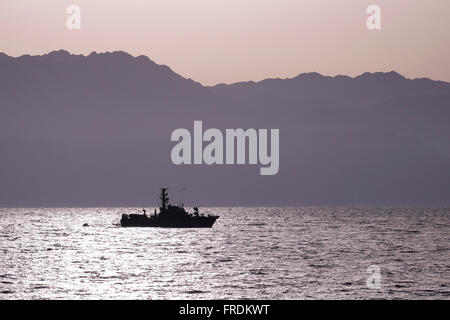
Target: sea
{"x": 249, "y": 253}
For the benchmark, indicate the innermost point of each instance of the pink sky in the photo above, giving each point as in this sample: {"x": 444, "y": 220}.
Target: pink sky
{"x": 213, "y": 41}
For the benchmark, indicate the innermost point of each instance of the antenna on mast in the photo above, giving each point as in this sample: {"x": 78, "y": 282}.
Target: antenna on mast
{"x": 164, "y": 198}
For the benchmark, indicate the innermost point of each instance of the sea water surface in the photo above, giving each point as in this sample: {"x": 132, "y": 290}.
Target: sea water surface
{"x": 262, "y": 253}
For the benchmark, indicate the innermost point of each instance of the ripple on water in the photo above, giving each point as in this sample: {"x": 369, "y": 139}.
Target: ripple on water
{"x": 267, "y": 253}
{"x": 6, "y": 291}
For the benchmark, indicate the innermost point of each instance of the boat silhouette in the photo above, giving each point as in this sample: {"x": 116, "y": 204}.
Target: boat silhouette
{"x": 169, "y": 216}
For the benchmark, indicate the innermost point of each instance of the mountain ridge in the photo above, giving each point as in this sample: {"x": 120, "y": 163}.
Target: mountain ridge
{"x": 95, "y": 131}
{"x": 64, "y": 55}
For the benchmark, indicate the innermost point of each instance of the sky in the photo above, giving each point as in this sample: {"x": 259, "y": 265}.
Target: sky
{"x": 226, "y": 41}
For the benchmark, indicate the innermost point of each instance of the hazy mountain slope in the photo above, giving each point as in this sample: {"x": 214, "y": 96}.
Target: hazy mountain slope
{"x": 95, "y": 130}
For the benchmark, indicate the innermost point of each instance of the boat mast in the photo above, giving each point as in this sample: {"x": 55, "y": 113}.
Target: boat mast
{"x": 164, "y": 198}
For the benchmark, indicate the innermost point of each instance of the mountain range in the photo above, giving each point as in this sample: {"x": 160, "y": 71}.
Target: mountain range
{"x": 95, "y": 130}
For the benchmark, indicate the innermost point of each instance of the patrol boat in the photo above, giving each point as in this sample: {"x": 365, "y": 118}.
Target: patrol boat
{"x": 169, "y": 216}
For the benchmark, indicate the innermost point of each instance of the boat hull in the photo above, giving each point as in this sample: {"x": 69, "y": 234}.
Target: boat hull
{"x": 188, "y": 222}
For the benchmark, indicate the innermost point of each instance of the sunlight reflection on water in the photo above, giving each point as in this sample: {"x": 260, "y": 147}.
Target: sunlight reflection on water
{"x": 263, "y": 253}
